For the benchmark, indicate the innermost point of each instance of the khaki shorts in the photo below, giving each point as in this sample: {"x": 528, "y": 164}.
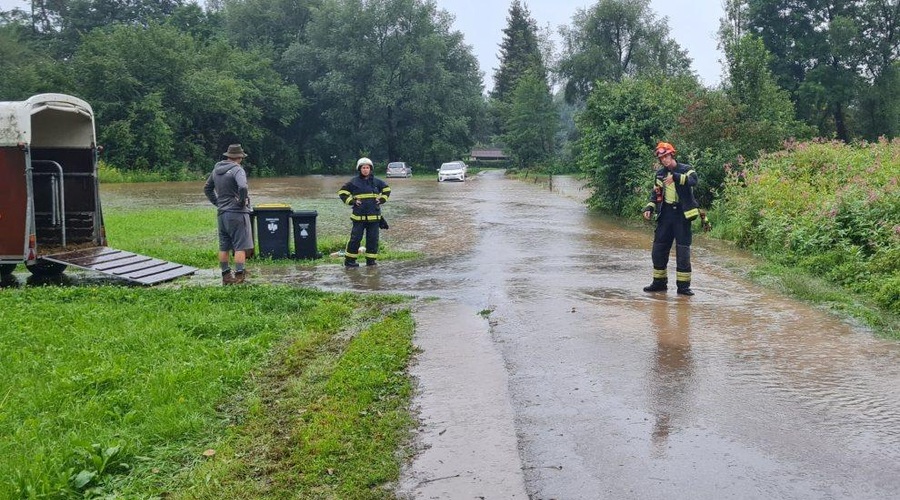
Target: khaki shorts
{"x": 234, "y": 231}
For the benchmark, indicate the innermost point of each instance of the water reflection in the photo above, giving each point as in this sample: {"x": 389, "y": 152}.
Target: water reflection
{"x": 673, "y": 368}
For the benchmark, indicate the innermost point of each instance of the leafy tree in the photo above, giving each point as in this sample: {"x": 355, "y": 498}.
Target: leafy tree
{"x": 532, "y": 122}
{"x": 831, "y": 56}
{"x": 520, "y": 52}
{"x": 275, "y": 23}
{"x": 27, "y": 70}
{"x": 390, "y": 80}
{"x": 164, "y": 101}
{"x": 616, "y": 39}
{"x": 619, "y": 127}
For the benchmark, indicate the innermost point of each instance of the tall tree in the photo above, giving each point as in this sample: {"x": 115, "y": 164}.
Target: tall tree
{"x": 532, "y": 121}
{"x": 614, "y": 39}
{"x": 520, "y": 52}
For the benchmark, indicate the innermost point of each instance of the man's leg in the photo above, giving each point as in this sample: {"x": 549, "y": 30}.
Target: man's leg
{"x": 662, "y": 246}
{"x": 683, "y": 258}
{"x": 372, "y": 233}
{"x": 352, "y": 251}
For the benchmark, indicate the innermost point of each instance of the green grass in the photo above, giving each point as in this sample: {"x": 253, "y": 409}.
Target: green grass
{"x": 118, "y": 391}
{"x": 188, "y": 236}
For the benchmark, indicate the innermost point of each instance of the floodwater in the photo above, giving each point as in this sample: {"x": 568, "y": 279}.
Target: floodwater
{"x": 737, "y": 392}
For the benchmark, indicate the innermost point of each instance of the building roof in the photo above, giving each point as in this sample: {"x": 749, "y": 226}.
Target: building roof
{"x": 488, "y": 154}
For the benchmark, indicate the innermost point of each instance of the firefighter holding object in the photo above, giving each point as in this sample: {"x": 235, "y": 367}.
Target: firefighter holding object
{"x": 672, "y": 198}
{"x": 365, "y": 193}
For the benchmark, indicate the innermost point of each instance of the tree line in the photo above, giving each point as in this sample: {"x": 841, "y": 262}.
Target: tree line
{"x": 309, "y": 85}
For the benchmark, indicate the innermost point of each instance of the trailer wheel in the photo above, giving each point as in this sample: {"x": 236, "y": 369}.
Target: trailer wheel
{"x": 7, "y": 269}
{"x": 43, "y": 268}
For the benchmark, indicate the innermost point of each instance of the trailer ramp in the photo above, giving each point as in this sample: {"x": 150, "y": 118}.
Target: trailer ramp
{"x": 126, "y": 265}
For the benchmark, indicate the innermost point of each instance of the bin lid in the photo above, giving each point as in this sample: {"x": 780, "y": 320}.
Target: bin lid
{"x": 272, "y": 206}
{"x": 304, "y": 213}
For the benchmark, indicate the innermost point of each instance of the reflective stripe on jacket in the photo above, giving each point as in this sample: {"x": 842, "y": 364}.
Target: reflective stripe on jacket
{"x": 685, "y": 180}
{"x": 371, "y": 191}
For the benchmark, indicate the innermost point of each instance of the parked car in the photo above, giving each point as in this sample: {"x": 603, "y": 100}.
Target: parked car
{"x": 398, "y": 169}
{"x": 454, "y": 170}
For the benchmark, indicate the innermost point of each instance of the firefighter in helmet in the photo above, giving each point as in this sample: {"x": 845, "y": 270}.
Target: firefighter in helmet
{"x": 672, "y": 198}
{"x": 365, "y": 193}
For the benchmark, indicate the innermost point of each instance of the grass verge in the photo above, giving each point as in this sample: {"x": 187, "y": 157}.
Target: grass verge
{"x": 111, "y": 391}
{"x": 822, "y": 293}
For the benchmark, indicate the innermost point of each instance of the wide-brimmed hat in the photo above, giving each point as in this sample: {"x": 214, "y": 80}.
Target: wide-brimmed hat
{"x": 235, "y": 151}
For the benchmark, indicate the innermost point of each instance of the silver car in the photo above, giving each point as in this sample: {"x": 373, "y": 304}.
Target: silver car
{"x": 454, "y": 170}
{"x": 398, "y": 169}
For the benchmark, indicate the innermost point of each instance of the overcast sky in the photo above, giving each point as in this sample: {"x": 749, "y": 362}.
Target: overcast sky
{"x": 693, "y": 24}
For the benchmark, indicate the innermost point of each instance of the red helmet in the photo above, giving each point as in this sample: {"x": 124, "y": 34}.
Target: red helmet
{"x": 663, "y": 149}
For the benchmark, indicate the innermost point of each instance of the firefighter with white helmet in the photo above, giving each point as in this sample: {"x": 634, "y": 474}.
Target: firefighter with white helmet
{"x": 365, "y": 193}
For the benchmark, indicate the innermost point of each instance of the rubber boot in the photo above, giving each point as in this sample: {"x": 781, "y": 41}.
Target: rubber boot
{"x": 658, "y": 285}
{"x": 684, "y": 288}
{"x": 349, "y": 262}
{"x": 371, "y": 262}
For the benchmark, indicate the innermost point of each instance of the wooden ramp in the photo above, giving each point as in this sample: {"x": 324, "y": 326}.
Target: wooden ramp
{"x": 130, "y": 266}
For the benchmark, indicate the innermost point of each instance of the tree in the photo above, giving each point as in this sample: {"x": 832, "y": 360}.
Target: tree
{"x": 390, "y": 80}
{"x": 620, "y": 125}
{"x": 532, "y": 122}
{"x": 615, "y": 39}
{"x": 832, "y": 55}
{"x": 165, "y": 101}
{"x": 275, "y": 23}
{"x": 520, "y": 52}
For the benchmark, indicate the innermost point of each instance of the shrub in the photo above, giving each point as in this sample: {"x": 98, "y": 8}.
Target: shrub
{"x": 831, "y": 208}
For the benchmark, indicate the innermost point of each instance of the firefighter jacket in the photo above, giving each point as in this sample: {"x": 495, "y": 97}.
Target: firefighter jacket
{"x": 680, "y": 192}
{"x": 370, "y": 191}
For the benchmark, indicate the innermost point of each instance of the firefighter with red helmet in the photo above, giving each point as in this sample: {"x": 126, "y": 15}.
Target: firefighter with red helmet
{"x": 672, "y": 198}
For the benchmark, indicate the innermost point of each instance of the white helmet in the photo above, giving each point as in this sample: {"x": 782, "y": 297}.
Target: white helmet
{"x": 363, "y": 161}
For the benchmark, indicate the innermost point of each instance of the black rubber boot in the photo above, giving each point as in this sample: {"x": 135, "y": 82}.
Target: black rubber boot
{"x": 684, "y": 288}
{"x": 348, "y": 262}
{"x": 658, "y": 285}
{"x": 371, "y": 262}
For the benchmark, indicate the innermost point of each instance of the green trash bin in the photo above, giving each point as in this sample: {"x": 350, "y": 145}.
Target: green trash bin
{"x": 273, "y": 230}
{"x": 304, "y": 222}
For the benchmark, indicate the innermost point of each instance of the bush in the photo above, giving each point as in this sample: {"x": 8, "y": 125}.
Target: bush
{"x": 832, "y": 209}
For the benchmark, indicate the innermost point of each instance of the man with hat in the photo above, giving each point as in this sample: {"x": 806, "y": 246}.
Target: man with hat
{"x": 227, "y": 189}
{"x": 365, "y": 193}
{"x": 672, "y": 197}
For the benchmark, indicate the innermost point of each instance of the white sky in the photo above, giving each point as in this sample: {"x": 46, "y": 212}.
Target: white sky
{"x": 693, "y": 25}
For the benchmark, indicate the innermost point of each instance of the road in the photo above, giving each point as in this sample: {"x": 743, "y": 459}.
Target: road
{"x": 545, "y": 371}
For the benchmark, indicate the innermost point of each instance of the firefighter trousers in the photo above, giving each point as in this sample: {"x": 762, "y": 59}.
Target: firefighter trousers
{"x": 672, "y": 226}
{"x": 370, "y": 228}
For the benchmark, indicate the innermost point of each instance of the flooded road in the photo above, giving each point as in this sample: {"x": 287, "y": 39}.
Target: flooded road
{"x": 737, "y": 392}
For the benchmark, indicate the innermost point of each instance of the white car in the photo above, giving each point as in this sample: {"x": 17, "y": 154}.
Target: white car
{"x": 454, "y": 170}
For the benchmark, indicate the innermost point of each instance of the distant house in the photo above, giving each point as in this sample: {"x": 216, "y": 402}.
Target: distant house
{"x": 488, "y": 155}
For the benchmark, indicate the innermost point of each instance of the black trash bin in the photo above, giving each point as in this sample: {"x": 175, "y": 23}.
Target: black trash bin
{"x": 273, "y": 230}
{"x": 304, "y": 222}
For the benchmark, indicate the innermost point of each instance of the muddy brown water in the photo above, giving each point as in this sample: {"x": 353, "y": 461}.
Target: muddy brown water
{"x": 737, "y": 392}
